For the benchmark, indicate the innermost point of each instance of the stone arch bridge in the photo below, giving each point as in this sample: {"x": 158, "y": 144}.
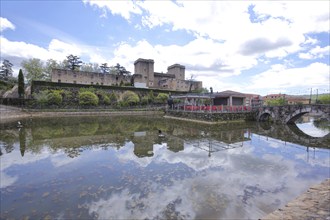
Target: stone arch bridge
{"x": 289, "y": 113}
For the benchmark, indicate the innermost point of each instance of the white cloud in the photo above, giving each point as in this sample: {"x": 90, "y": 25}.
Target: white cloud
{"x": 6, "y": 24}
{"x": 316, "y": 52}
{"x": 213, "y": 59}
{"x": 57, "y": 50}
{"x": 22, "y": 49}
{"x": 279, "y": 76}
{"x": 122, "y": 8}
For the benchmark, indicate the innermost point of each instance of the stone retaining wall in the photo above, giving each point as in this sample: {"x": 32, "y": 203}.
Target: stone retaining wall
{"x": 8, "y": 113}
{"x": 313, "y": 204}
{"x": 214, "y": 116}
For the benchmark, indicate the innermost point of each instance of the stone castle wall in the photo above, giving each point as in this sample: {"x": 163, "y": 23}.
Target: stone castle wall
{"x": 143, "y": 77}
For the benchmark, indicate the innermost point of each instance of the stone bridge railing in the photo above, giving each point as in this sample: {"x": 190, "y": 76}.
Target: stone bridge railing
{"x": 289, "y": 113}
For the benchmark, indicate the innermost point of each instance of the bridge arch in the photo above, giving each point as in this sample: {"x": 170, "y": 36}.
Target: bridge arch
{"x": 291, "y": 118}
{"x": 290, "y": 113}
{"x": 265, "y": 115}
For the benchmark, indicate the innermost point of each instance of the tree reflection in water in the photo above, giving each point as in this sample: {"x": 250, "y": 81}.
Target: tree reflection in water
{"x": 76, "y": 134}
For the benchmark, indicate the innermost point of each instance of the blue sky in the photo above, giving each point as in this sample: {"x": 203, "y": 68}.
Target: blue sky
{"x": 248, "y": 46}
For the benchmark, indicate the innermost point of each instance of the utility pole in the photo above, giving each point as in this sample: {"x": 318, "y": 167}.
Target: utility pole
{"x": 310, "y": 98}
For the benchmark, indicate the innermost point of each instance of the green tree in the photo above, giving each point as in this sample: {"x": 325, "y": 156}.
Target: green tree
{"x": 20, "y": 84}
{"x": 88, "y": 98}
{"x": 90, "y": 67}
{"x": 105, "y": 69}
{"x": 120, "y": 70}
{"x": 6, "y": 70}
{"x": 276, "y": 102}
{"x": 324, "y": 99}
{"x": 74, "y": 62}
{"x": 33, "y": 70}
{"x": 48, "y": 68}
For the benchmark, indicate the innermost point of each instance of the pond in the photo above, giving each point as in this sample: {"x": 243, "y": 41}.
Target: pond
{"x": 119, "y": 168}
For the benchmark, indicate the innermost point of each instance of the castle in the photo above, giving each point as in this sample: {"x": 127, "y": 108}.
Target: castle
{"x": 143, "y": 77}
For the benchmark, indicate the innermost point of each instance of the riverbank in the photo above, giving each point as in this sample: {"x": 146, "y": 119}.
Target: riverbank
{"x": 9, "y": 113}
{"x": 203, "y": 122}
{"x": 313, "y": 204}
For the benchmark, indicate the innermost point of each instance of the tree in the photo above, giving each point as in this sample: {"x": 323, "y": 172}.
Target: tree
{"x": 324, "y": 99}
{"x": 105, "y": 68}
{"x": 276, "y": 102}
{"x": 33, "y": 69}
{"x": 20, "y": 84}
{"x": 121, "y": 71}
{"x": 6, "y": 70}
{"x": 90, "y": 67}
{"x": 50, "y": 65}
{"x": 73, "y": 62}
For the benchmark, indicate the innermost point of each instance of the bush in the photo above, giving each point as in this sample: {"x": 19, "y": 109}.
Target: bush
{"x": 88, "y": 98}
{"x": 162, "y": 98}
{"x": 130, "y": 97}
{"x": 41, "y": 97}
{"x": 113, "y": 97}
{"x": 145, "y": 100}
{"x": 54, "y": 97}
{"x": 106, "y": 100}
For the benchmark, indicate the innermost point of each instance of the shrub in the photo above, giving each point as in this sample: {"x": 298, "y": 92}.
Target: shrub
{"x": 144, "y": 100}
{"x": 106, "y": 100}
{"x": 89, "y": 89}
{"x": 151, "y": 96}
{"x": 88, "y": 98}
{"x": 113, "y": 97}
{"x": 54, "y": 97}
{"x": 130, "y": 97}
{"x": 162, "y": 98}
{"x": 41, "y": 97}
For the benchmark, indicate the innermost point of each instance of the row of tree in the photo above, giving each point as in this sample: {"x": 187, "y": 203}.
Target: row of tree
{"x": 95, "y": 97}
{"x": 36, "y": 69}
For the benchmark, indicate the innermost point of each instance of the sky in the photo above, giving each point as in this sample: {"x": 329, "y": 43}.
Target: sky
{"x": 260, "y": 47}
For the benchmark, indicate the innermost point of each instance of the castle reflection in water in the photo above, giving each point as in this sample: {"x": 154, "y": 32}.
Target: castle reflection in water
{"x": 82, "y": 133}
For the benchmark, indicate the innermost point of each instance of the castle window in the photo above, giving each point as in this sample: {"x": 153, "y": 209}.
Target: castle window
{"x": 101, "y": 83}
{"x": 59, "y": 75}
{"x": 59, "y": 80}
{"x": 74, "y": 75}
{"x": 74, "y": 82}
{"x": 92, "y": 83}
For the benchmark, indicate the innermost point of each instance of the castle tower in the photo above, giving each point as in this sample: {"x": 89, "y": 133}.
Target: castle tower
{"x": 144, "y": 71}
{"x": 177, "y": 70}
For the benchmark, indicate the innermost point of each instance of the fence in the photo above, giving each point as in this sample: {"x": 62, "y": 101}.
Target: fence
{"x": 214, "y": 108}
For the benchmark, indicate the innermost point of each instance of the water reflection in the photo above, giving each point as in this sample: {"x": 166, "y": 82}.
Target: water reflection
{"x": 313, "y": 126}
{"x": 119, "y": 168}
